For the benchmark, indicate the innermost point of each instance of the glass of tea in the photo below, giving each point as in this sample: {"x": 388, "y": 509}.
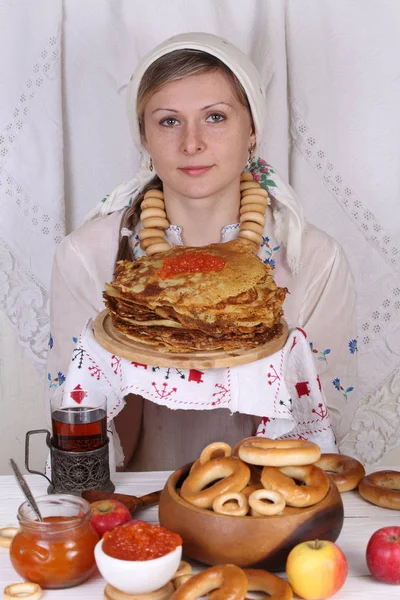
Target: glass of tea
{"x": 79, "y": 427}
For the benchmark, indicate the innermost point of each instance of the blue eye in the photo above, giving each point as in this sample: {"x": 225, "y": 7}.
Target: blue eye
{"x": 169, "y": 122}
{"x": 215, "y": 118}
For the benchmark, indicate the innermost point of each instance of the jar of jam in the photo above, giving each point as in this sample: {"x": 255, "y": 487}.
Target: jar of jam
{"x": 57, "y": 552}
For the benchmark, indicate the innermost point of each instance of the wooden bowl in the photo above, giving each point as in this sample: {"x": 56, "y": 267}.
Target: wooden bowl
{"x": 248, "y": 541}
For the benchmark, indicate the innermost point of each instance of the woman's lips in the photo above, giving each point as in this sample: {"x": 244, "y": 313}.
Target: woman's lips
{"x": 195, "y": 171}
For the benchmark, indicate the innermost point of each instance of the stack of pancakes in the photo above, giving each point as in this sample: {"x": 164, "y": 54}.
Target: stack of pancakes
{"x": 234, "y": 305}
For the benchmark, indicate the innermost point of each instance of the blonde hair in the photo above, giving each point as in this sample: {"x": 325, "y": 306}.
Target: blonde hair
{"x": 170, "y": 67}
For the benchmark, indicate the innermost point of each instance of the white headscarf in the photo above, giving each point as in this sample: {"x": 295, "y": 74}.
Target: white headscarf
{"x": 288, "y": 210}
{"x": 238, "y": 62}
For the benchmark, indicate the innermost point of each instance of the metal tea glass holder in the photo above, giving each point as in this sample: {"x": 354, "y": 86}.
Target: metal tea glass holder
{"x": 73, "y": 472}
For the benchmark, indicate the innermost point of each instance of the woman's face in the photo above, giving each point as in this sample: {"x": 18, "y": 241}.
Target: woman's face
{"x": 198, "y": 134}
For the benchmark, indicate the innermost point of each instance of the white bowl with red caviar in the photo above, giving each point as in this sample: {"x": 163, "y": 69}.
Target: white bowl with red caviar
{"x": 137, "y": 557}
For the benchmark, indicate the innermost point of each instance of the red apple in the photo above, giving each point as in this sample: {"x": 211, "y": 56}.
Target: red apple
{"x": 383, "y": 554}
{"x": 107, "y": 514}
{"x": 316, "y": 569}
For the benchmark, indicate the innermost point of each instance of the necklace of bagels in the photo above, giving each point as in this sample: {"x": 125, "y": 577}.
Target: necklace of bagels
{"x": 253, "y": 204}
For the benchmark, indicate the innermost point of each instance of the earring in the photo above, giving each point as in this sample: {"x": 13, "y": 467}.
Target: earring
{"x": 151, "y": 164}
{"x": 249, "y": 159}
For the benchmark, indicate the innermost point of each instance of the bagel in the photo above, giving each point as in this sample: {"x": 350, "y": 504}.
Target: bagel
{"x": 258, "y": 208}
{"x": 154, "y": 194}
{"x": 254, "y": 199}
{"x": 183, "y": 569}
{"x": 195, "y": 465}
{"x": 152, "y": 240}
{"x": 246, "y": 176}
{"x": 247, "y": 185}
{"x": 230, "y": 474}
{"x": 266, "y": 509}
{"x": 262, "y": 581}
{"x": 144, "y": 234}
{"x": 27, "y": 590}
{"x": 250, "y": 235}
{"x": 251, "y": 226}
{"x": 235, "y": 449}
{"x": 183, "y": 573}
{"x": 148, "y": 213}
{"x": 257, "y": 191}
{"x": 214, "y": 450}
{"x": 156, "y": 248}
{"x": 7, "y": 534}
{"x": 159, "y": 222}
{"x": 255, "y": 217}
{"x": 225, "y": 581}
{"x": 152, "y": 203}
{"x": 278, "y": 453}
{"x": 381, "y": 488}
{"x": 314, "y": 489}
{"x": 179, "y": 581}
{"x": 234, "y": 504}
{"x": 345, "y": 472}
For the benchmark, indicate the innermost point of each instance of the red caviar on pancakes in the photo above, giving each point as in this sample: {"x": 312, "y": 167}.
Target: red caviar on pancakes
{"x": 140, "y": 541}
{"x": 192, "y": 262}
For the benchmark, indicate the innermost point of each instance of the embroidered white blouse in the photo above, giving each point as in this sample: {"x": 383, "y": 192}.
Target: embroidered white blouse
{"x": 321, "y": 301}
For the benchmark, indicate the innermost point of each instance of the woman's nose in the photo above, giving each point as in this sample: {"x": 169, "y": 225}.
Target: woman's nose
{"x": 193, "y": 141}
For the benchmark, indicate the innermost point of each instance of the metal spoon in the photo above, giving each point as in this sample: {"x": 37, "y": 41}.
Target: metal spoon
{"x": 25, "y": 488}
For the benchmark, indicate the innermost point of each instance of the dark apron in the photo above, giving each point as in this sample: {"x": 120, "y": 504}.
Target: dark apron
{"x": 171, "y": 438}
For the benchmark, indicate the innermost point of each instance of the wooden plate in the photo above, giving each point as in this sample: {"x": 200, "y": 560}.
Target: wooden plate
{"x": 116, "y": 342}
{"x": 163, "y": 593}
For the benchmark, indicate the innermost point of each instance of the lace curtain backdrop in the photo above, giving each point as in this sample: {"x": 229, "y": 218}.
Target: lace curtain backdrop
{"x": 333, "y": 133}
{"x": 32, "y": 218}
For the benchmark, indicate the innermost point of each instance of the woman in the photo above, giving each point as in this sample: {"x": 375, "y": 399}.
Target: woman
{"x": 196, "y": 109}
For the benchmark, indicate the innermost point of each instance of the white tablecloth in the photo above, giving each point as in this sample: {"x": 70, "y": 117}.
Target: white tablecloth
{"x": 361, "y": 520}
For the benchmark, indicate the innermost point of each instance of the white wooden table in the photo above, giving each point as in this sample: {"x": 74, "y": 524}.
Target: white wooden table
{"x": 361, "y": 520}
